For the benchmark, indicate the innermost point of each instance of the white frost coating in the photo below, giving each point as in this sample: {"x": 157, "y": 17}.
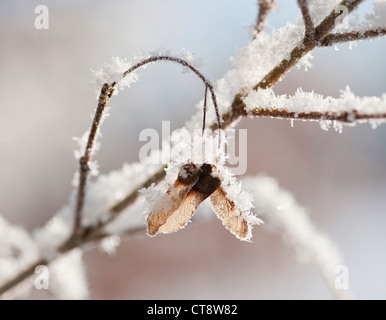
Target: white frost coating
{"x": 319, "y": 9}
{"x": 191, "y": 59}
{"x": 374, "y": 20}
{"x": 241, "y": 198}
{"x": 103, "y": 193}
{"x": 280, "y": 211}
{"x": 377, "y": 18}
{"x": 307, "y": 102}
{"x": 17, "y": 250}
{"x": 68, "y": 277}
{"x": 184, "y": 55}
{"x": 252, "y": 63}
{"x": 129, "y": 220}
{"x": 82, "y": 144}
{"x": 110, "y": 244}
{"x": 108, "y": 189}
{"x": 306, "y": 62}
{"x": 197, "y": 147}
{"x": 200, "y": 149}
{"x": 54, "y": 232}
{"x": 185, "y": 148}
{"x": 112, "y": 71}
{"x": 261, "y": 55}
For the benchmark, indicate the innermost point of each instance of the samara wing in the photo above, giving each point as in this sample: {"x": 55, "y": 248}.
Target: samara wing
{"x": 179, "y": 218}
{"x": 228, "y": 213}
{"x": 173, "y": 198}
{"x": 201, "y": 190}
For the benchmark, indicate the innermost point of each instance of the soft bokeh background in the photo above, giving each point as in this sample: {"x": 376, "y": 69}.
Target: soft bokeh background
{"x": 47, "y": 98}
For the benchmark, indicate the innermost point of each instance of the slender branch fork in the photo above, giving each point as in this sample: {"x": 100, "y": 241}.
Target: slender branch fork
{"x": 309, "y": 25}
{"x": 322, "y": 37}
{"x": 265, "y": 6}
{"x": 334, "y": 38}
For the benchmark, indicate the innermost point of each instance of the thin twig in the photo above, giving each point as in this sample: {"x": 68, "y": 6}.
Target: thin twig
{"x": 309, "y": 25}
{"x": 334, "y": 38}
{"x": 105, "y": 95}
{"x": 265, "y": 7}
{"x": 345, "y": 117}
{"x": 204, "y": 115}
{"x": 26, "y": 273}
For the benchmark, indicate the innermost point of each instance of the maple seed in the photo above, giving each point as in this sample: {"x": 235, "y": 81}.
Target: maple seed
{"x": 230, "y": 216}
{"x": 192, "y": 186}
{"x": 207, "y": 184}
{"x": 189, "y": 173}
{"x": 187, "y": 177}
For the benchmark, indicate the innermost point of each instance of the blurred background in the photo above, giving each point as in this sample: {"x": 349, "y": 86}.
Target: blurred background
{"x": 47, "y": 98}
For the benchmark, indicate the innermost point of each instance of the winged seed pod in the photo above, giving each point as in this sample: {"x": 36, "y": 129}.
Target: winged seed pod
{"x": 193, "y": 185}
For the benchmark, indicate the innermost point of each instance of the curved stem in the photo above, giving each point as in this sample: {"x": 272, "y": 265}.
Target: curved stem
{"x": 187, "y": 65}
{"x": 204, "y": 115}
{"x": 104, "y": 97}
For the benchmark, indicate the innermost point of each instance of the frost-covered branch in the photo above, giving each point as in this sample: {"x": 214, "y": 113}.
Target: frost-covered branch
{"x": 321, "y": 31}
{"x": 120, "y": 206}
{"x": 265, "y": 6}
{"x": 348, "y": 109}
{"x": 309, "y": 25}
{"x": 335, "y": 38}
{"x": 285, "y": 217}
{"x": 306, "y": 45}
